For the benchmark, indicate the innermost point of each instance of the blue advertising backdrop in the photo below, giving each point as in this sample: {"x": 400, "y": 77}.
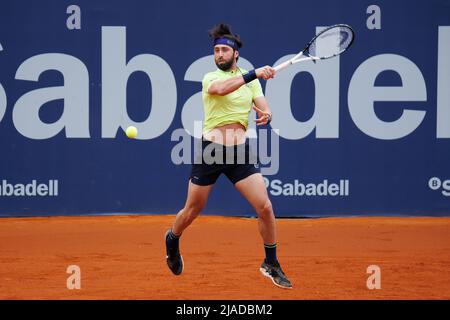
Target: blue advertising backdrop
{"x": 367, "y": 133}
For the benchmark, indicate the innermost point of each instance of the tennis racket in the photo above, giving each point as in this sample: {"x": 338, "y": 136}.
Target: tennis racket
{"x": 329, "y": 43}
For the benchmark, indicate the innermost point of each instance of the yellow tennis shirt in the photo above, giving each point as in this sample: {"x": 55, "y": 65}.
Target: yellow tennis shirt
{"x": 231, "y": 108}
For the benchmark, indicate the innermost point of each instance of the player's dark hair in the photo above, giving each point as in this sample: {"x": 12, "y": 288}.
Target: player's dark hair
{"x": 223, "y": 30}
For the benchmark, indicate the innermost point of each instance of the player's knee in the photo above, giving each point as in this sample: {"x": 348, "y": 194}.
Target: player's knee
{"x": 192, "y": 211}
{"x": 266, "y": 211}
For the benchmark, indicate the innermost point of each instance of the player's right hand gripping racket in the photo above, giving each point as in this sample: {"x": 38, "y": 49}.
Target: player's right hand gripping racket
{"x": 328, "y": 43}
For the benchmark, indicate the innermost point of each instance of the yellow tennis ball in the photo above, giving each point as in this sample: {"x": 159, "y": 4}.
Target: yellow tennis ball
{"x": 131, "y": 132}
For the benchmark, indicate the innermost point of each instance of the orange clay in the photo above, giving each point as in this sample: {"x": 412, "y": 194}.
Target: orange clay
{"x": 123, "y": 257}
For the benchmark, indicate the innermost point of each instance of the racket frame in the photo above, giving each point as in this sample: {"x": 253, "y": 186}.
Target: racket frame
{"x": 298, "y": 58}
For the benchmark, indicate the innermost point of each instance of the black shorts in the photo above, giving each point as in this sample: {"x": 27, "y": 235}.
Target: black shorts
{"x": 236, "y": 162}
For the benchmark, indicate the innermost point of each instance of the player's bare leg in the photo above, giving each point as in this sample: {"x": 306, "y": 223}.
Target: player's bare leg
{"x": 195, "y": 202}
{"x": 254, "y": 190}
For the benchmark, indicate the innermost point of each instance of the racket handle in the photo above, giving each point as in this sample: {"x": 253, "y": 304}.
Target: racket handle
{"x": 283, "y": 65}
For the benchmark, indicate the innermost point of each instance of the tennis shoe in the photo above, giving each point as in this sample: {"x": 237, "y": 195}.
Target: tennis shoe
{"x": 173, "y": 257}
{"x": 276, "y": 274}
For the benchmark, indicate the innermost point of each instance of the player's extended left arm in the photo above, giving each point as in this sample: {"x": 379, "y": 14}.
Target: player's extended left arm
{"x": 224, "y": 87}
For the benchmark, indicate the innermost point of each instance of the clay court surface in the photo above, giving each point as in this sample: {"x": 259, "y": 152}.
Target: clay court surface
{"x": 123, "y": 257}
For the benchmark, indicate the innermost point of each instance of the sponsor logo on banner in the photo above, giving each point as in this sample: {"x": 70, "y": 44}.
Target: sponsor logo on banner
{"x": 116, "y": 69}
{"x": 32, "y": 189}
{"x": 436, "y": 184}
{"x": 298, "y": 188}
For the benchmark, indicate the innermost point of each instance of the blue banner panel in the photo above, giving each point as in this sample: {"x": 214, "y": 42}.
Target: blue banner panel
{"x": 364, "y": 133}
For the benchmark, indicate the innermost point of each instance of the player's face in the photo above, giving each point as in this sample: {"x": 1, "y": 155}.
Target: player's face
{"x": 224, "y": 56}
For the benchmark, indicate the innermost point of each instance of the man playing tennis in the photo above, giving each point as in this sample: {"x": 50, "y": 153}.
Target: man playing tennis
{"x": 228, "y": 96}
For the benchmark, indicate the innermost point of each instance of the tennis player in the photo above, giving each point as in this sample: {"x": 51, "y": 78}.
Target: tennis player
{"x": 228, "y": 96}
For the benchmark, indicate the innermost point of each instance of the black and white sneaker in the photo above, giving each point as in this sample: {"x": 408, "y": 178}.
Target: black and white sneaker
{"x": 173, "y": 257}
{"x": 274, "y": 272}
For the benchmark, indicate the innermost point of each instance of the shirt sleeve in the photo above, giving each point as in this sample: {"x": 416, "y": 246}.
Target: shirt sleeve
{"x": 256, "y": 88}
{"x": 207, "y": 80}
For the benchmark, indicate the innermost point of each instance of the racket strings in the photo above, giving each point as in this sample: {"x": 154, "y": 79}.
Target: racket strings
{"x": 331, "y": 42}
